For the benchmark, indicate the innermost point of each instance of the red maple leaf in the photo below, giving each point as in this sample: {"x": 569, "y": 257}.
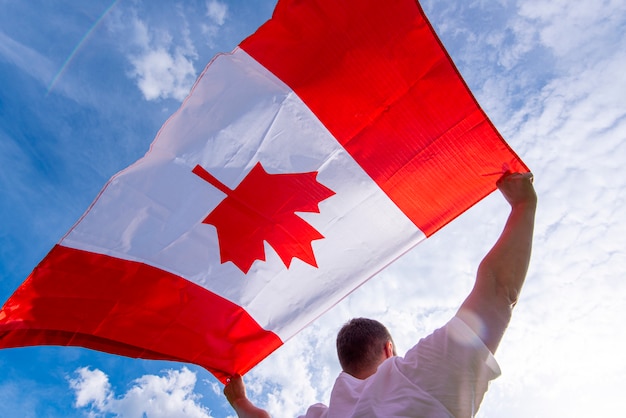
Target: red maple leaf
{"x": 262, "y": 208}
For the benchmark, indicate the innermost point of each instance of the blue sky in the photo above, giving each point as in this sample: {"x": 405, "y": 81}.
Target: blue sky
{"x": 85, "y": 86}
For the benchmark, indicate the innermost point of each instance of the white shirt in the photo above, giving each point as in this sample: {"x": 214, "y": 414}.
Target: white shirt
{"x": 444, "y": 375}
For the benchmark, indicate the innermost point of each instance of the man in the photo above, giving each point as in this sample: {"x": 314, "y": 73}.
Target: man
{"x": 447, "y": 373}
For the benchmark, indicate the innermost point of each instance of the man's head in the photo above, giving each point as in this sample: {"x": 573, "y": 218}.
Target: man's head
{"x": 362, "y": 344}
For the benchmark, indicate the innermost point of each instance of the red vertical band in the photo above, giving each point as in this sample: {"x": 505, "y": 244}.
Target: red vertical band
{"x": 376, "y": 75}
{"x": 131, "y": 309}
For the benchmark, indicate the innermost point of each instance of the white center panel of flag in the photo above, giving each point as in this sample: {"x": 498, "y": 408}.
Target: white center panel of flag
{"x": 153, "y": 211}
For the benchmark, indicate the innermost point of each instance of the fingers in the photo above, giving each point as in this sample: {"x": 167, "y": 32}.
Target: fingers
{"x": 517, "y": 187}
{"x": 234, "y": 389}
{"x": 508, "y": 180}
{"x": 528, "y": 176}
{"x": 514, "y": 176}
{"x": 234, "y": 380}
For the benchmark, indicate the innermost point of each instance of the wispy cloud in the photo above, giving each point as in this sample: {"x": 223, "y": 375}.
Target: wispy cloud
{"x": 576, "y": 31}
{"x": 25, "y": 58}
{"x": 14, "y": 397}
{"x": 80, "y": 44}
{"x": 217, "y": 12}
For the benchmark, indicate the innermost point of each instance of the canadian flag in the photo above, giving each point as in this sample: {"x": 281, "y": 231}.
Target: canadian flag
{"x": 329, "y": 143}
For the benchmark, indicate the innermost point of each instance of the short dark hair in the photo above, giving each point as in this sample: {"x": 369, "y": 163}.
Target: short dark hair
{"x": 359, "y": 344}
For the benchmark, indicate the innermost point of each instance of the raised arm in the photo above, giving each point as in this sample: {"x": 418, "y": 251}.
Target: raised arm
{"x": 235, "y": 391}
{"x": 487, "y": 310}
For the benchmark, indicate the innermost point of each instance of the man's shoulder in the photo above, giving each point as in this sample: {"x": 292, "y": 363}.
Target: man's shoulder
{"x": 452, "y": 344}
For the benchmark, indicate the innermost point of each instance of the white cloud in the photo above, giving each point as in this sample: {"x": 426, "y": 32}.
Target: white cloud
{"x": 91, "y": 387}
{"x": 572, "y": 134}
{"x": 572, "y": 29}
{"x": 217, "y": 11}
{"x": 161, "y": 49}
{"x": 161, "y": 74}
{"x": 162, "y": 70}
{"x": 171, "y": 395}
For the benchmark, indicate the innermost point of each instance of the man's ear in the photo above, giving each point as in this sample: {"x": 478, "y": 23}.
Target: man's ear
{"x": 389, "y": 352}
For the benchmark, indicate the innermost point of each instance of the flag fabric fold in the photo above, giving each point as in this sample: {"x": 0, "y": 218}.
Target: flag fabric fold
{"x": 329, "y": 143}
